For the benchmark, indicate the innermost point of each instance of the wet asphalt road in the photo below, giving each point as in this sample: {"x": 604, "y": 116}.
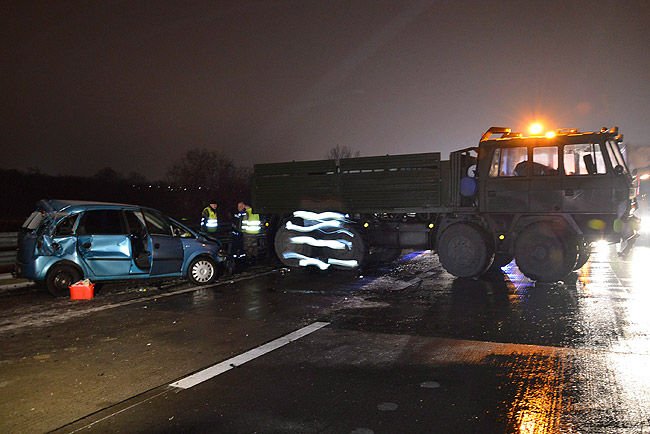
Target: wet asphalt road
{"x": 402, "y": 348}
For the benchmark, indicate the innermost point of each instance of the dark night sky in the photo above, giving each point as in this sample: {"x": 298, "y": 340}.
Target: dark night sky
{"x": 135, "y": 84}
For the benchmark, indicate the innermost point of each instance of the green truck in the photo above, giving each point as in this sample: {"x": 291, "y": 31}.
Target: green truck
{"x": 541, "y": 200}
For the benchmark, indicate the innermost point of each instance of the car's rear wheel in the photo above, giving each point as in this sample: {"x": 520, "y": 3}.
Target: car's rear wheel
{"x": 59, "y": 279}
{"x": 202, "y": 271}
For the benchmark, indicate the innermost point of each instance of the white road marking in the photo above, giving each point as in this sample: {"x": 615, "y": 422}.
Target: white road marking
{"x": 239, "y": 360}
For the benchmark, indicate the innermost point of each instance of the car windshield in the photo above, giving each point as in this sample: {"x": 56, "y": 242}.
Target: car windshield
{"x": 181, "y": 230}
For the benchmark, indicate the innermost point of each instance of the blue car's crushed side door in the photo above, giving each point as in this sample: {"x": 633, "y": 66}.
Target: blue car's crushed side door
{"x": 106, "y": 255}
{"x": 103, "y": 243}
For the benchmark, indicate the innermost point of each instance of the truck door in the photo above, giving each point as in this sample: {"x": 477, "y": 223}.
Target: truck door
{"x": 587, "y": 185}
{"x": 103, "y": 243}
{"x": 506, "y": 187}
{"x": 546, "y": 194}
{"x": 166, "y": 249}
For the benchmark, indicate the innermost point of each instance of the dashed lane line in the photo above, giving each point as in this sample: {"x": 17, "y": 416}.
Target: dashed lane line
{"x": 239, "y": 360}
{"x": 189, "y": 381}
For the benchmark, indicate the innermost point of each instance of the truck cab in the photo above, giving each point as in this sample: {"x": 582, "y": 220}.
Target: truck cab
{"x": 576, "y": 183}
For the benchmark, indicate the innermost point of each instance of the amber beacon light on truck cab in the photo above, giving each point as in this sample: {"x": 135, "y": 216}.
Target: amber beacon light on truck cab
{"x": 540, "y": 199}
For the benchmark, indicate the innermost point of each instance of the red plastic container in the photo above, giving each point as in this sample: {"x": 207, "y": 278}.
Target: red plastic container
{"x": 82, "y": 291}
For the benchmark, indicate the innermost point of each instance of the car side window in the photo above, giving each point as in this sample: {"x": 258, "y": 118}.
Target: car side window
{"x": 66, "y": 226}
{"x": 180, "y": 231}
{"x": 101, "y": 222}
{"x": 156, "y": 223}
{"x": 135, "y": 220}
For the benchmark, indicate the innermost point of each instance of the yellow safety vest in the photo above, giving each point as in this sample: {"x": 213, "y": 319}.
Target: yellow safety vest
{"x": 210, "y": 222}
{"x": 251, "y": 223}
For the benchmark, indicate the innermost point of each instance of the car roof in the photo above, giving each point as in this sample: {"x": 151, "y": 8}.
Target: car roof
{"x": 58, "y": 205}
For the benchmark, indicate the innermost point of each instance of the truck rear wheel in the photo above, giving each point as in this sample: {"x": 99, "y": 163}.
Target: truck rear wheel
{"x": 289, "y": 253}
{"x": 543, "y": 255}
{"x": 340, "y": 248}
{"x": 464, "y": 250}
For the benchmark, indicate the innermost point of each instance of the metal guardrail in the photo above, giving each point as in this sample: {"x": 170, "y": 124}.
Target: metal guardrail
{"x": 8, "y": 245}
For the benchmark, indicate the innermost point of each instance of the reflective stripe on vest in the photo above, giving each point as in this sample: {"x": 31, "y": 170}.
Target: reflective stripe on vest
{"x": 251, "y": 223}
{"x": 211, "y": 221}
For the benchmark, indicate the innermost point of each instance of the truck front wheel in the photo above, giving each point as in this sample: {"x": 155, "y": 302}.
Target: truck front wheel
{"x": 464, "y": 250}
{"x": 542, "y": 255}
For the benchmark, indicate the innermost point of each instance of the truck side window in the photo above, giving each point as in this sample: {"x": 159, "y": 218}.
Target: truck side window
{"x": 101, "y": 222}
{"x": 575, "y": 162}
{"x": 545, "y": 161}
{"x": 508, "y": 162}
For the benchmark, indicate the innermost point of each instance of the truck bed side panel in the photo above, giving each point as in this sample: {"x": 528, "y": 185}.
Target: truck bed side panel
{"x": 391, "y": 183}
{"x": 400, "y": 183}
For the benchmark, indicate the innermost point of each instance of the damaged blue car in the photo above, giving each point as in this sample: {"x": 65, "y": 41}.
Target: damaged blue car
{"x": 64, "y": 241}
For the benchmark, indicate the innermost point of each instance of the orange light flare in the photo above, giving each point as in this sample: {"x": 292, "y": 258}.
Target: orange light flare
{"x": 536, "y": 129}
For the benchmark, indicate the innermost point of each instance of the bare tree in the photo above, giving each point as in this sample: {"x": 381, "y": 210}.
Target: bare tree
{"x": 204, "y": 175}
{"x": 107, "y": 174}
{"x": 338, "y": 152}
{"x": 201, "y": 168}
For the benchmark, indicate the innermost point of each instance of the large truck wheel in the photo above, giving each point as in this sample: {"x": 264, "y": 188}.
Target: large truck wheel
{"x": 353, "y": 257}
{"x": 543, "y": 255}
{"x": 285, "y": 249}
{"x": 334, "y": 246}
{"x": 464, "y": 250}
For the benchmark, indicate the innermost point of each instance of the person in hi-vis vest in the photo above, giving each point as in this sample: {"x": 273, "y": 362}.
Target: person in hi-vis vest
{"x": 209, "y": 221}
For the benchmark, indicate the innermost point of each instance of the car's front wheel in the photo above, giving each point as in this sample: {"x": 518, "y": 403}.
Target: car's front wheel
{"x": 59, "y": 279}
{"x": 202, "y": 271}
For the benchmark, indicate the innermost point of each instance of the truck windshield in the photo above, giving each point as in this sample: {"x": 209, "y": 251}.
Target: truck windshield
{"x": 584, "y": 159}
{"x": 616, "y": 156}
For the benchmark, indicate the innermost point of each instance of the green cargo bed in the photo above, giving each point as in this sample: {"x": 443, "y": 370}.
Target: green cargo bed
{"x": 385, "y": 184}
